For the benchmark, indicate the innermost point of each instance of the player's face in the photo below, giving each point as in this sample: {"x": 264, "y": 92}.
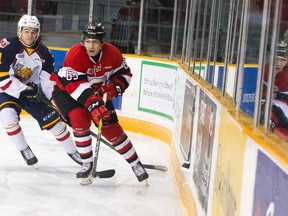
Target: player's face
{"x": 280, "y": 64}
{"x": 93, "y": 46}
{"x": 28, "y": 35}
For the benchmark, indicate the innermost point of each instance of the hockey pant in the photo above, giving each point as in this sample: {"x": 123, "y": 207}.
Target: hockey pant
{"x": 9, "y": 118}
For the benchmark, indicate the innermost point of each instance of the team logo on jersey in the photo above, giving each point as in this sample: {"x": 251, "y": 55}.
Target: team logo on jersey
{"x": 97, "y": 68}
{"x": 23, "y": 74}
{"x": 90, "y": 71}
{"x": 4, "y": 43}
{"x": 94, "y": 70}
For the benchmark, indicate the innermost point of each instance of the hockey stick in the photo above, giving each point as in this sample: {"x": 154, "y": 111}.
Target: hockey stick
{"x": 147, "y": 166}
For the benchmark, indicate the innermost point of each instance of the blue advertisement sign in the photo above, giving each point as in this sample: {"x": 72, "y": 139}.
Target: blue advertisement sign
{"x": 271, "y": 188}
{"x": 210, "y": 73}
{"x": 220, "y": 77}
{"x": 249, "y": 90}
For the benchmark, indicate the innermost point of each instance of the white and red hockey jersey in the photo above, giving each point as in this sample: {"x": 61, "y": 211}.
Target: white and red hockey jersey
{"x": 80, "y": 71}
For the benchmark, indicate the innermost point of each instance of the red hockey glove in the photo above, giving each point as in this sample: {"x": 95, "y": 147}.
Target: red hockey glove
{"x": 112, "y": 89}
{"x": 95, "y": 106}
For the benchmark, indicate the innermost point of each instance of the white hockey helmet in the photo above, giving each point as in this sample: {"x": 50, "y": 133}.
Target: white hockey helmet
{"x": 28, "y": 21}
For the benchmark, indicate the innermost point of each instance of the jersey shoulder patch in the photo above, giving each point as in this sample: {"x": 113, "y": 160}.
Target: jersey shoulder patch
{"x": 4, "y": 42}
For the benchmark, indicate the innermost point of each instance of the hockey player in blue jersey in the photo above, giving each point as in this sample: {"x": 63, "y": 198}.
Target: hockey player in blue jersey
{"x": 25, "y": 68}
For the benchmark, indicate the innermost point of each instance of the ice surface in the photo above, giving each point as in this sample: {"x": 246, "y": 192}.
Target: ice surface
{"x": 53, "y": 189}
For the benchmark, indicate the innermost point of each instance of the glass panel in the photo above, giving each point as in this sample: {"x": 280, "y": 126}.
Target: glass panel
{"x": 254, "y": 31}
{"x": 63, "y": 22}
{"x": 121, "y": 21}
{"x": 9, "y": 16}
{"x": 222, "y": 28}
{"x": 157, "y": 28}
{"x": 179, "y": 31}
{"x": 235, "y": 31}
{"x": 276, "y": 71}
{"x": 205, "y": 25}
{"x": 198, "y": 27}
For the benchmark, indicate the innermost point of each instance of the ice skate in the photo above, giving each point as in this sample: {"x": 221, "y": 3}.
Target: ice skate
{"x": 76, "y": 157}
{"x": 85, "y": 174}
{"x": 140, "y": 172}
{"x": 85, "y": 170}
{"x": 29, "y": 157}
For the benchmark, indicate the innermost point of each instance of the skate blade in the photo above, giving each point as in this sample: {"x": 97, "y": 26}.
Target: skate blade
{"x": 146, "y": 182}
{"x": 34, "y": 166}
{"x": 86, "y": 181}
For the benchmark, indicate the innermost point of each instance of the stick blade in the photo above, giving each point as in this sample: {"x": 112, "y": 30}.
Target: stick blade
{"x": 104, "y": 174}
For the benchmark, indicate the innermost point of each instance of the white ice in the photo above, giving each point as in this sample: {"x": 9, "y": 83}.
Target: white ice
{"x": 53, "y": 189}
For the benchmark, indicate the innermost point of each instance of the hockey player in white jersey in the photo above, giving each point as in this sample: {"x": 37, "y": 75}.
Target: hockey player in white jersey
{"x": 25, "y": 68}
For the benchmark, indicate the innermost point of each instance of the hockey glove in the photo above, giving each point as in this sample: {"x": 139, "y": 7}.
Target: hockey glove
{"x": 95, "y": 106}
{"x": 34, "y": 94}
{"x": 112, "y": 89}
